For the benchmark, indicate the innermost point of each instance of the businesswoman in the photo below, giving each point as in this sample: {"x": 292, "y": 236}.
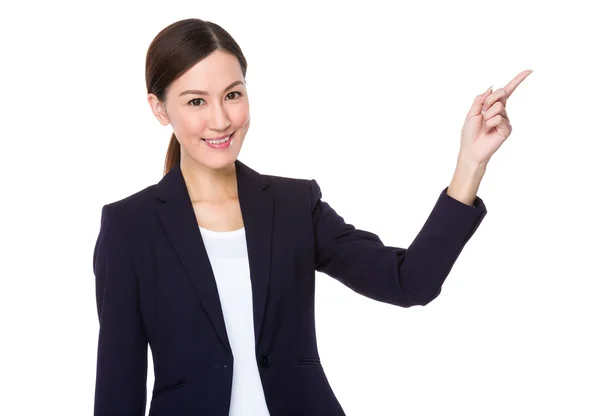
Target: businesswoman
{"x": 213, "y": 267}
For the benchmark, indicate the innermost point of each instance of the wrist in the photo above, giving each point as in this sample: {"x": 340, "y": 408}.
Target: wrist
{"x": 468, "y": 165}
{"x": 466, "y": 180}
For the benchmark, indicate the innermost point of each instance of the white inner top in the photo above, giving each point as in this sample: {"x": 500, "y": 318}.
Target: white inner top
{"x": 228, "y": 255}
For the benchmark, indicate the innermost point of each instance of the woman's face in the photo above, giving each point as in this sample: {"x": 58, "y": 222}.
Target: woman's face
{"x": 208, "y": 101}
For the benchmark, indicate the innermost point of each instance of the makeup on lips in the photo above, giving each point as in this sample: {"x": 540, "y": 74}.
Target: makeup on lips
{"x": 221, "y": 143}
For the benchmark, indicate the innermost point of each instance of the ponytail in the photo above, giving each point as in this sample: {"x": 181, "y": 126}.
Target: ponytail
{"x": 173, "y": 154}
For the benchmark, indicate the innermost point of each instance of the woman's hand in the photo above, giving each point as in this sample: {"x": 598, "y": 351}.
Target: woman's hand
{"x": 487, "y": 125}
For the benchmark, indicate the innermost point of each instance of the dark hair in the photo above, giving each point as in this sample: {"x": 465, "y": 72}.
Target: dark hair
{"x": 176, "y": 49}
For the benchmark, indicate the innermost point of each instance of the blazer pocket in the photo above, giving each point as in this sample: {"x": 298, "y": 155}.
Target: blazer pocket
{"x": 308, "y": 361}
{"x": 167, "y": 387}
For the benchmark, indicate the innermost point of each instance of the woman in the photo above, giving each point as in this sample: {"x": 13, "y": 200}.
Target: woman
{"x": 214, "y": 266}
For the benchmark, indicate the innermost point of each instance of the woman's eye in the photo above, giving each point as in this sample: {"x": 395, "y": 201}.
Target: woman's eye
{"x": 235, "y": 92}
{"x": 194, "y": 102}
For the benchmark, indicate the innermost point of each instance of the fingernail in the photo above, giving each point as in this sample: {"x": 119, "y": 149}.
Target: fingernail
{"x": 488, "y": 90}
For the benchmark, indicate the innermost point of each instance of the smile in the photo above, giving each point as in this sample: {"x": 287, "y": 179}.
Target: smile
{"x": 221, "y": 143}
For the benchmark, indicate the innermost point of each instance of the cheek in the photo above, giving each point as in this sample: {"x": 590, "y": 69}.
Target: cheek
{"x": 242, "y": 119}
{"x": 191, "y": 125}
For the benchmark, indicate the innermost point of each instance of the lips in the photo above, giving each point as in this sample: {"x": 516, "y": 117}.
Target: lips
{"x": 224, "y": 143}
{"x": 218, "y": 138}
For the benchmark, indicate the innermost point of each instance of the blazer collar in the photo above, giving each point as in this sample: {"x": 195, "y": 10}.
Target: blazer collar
{"x": 172, "y": 185}
{"x": 177, "y": 216}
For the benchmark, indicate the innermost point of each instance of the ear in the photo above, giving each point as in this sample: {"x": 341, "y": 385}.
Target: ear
{"x": 158, "y": 109}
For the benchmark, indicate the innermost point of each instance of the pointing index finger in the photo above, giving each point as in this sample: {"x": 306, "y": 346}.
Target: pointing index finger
{"x": 514, "y": 83}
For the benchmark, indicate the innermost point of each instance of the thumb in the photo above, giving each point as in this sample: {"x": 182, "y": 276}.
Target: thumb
{"x": 478, "y": 103}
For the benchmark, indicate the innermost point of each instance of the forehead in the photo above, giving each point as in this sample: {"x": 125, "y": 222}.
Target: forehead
{"x": 212, "y": 74}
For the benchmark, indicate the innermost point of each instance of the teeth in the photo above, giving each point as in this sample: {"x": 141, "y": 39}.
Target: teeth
{"x": 219, "y": 141}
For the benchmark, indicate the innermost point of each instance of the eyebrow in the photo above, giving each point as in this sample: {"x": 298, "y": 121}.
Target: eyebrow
{"x": 200, "y": 92}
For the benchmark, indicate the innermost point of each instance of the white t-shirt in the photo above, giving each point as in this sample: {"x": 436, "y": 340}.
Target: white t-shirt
{"x": 228, "y": 256}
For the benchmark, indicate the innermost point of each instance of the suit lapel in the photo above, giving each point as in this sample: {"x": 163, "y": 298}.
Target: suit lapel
{"x": 256, "y": 201}
{"x": 177, "y": 216}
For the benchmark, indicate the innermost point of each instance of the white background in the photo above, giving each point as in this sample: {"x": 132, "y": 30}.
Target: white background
{"x": 368, "y": 99}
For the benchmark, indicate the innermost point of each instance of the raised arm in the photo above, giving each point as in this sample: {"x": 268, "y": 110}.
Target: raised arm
{"x": 399, "y": 276}
{"x": 122, "y": 360}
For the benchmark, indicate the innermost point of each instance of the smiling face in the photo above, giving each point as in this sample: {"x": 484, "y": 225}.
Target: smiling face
{"x": 209, "y": 101}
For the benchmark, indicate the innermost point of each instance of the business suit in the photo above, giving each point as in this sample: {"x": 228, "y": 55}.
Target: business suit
{"x": 154, "y": 285}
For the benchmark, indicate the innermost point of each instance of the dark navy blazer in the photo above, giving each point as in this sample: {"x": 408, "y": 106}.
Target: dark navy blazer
{"x": 155, "y": 286}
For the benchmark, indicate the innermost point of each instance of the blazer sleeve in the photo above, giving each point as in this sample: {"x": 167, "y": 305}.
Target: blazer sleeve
{"x": 399, "y": 276}
{"x": 122, "y": 359}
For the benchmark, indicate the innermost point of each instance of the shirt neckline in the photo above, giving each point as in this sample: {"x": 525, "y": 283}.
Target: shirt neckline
{"x": 222, "y": 234}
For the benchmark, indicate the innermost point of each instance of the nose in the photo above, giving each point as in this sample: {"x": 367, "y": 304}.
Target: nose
{"x": 219, "y": 120}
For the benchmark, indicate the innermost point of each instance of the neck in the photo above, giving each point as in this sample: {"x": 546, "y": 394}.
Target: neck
{"x": 205, "y": 184}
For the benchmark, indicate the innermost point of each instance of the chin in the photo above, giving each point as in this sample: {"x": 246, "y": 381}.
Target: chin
{"x": 218, "y": 162}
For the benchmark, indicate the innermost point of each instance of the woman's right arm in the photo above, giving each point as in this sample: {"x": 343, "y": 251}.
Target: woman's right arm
{"x": 122, "y": 361}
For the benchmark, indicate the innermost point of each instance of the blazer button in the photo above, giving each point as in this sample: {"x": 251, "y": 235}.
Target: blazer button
{"x": 264, "y": 361}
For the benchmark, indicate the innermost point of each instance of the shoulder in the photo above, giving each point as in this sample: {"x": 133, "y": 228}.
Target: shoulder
{"x": 136, "y": 201}
{"x": 294, "y": 187}
{"x": 285, "y": 182}
{"x": 131, "y": 208}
